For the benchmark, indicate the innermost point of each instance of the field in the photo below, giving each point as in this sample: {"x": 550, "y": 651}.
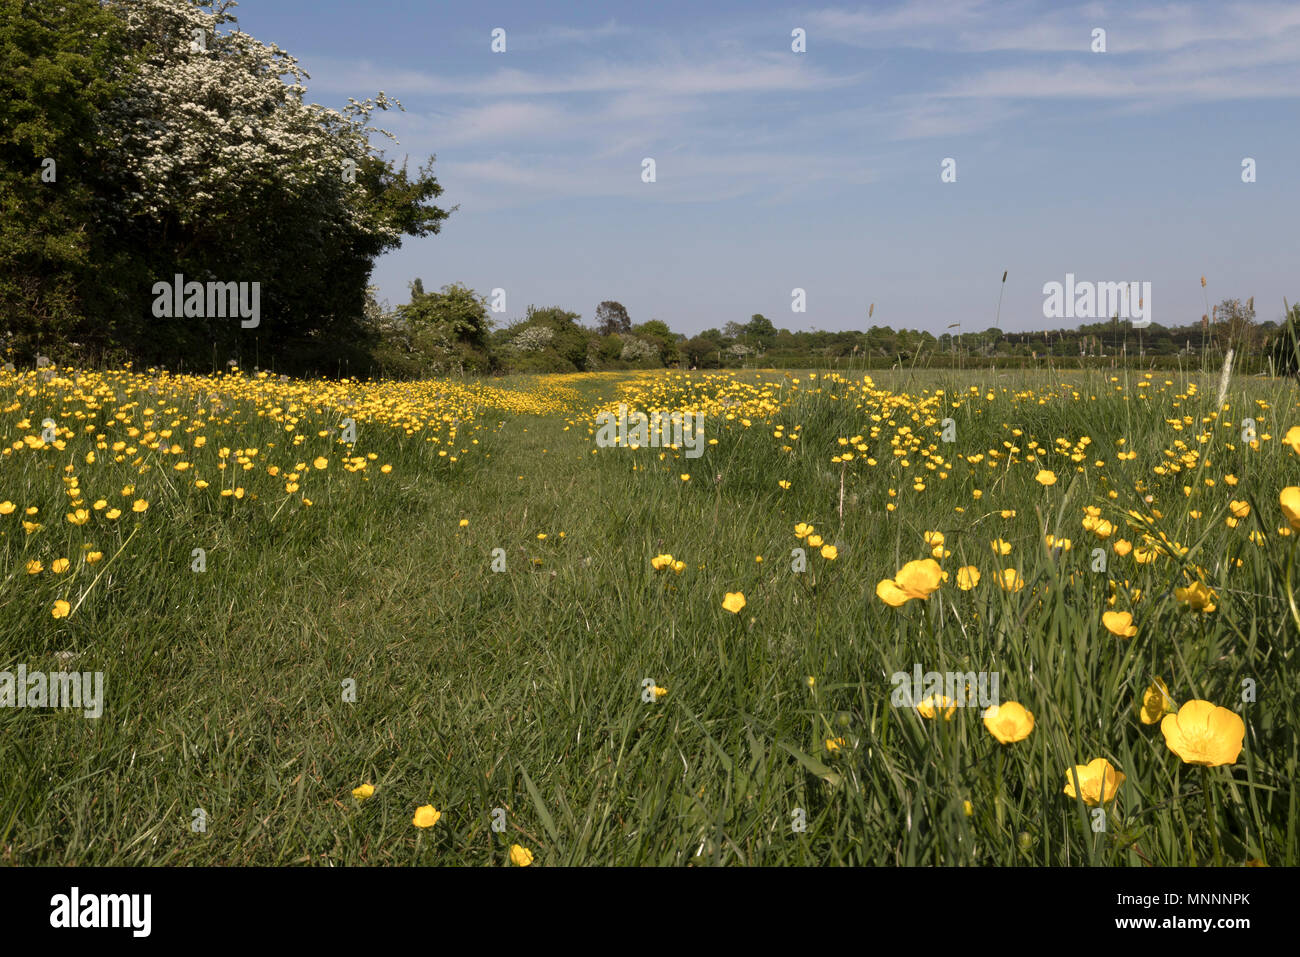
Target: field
{"x": 452, "y": 592}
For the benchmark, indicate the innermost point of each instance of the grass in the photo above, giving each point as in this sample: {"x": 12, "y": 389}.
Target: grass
{"x": 227, "y": 738}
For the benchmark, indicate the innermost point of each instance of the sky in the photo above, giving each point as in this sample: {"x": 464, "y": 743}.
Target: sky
{"x": 821, "y": 170}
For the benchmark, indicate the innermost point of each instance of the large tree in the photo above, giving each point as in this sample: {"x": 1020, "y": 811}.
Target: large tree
{"x": 216, "y": 168}
{"x": 61, "y": 67}
{"x": 612, "y": 318}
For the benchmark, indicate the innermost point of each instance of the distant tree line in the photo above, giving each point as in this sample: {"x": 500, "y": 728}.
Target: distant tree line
{"x": 453, "y": 331}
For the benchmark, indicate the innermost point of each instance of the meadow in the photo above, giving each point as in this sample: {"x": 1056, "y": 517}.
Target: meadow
{"x": 437, "y": 622}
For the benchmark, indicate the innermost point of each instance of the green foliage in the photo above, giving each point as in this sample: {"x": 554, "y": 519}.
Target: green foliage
{"x": 612, "y": 318}
{"x": 1284, "y": 349}
{"x": 202, "y": 162}
{"x": 61, "y": 66}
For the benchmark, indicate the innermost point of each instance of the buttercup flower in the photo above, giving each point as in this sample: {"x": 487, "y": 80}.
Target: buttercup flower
{"x": 734, "y": 602}
{"x": 1156, "y": 703}
{"x": 931, "y": 706}
{"x": 1009, "y": 722}
{"x": 1197, "y": 597}
{"x": 363, "y": 792}
{"x": 1290, "y": 501}
{"x": 1098, "y": 781}
{"x": 520, "y": 856}
{"x": 1119, "y": 623}
{"x": 426, "y": 816}
{"x": 1010, "y": 580}
{"x": 1203, "y": 733}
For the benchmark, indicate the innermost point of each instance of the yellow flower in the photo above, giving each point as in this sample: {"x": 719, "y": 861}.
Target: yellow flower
{"x": 520, "y": 856}
{"x": 1197, "y": 597}
{"x": 834, "y": 744}
{"x": 93, "y": 557}
{"x": 802, "y": 530}
{"x": 830, "y": 553}
{"x": 660, "y": 562}
{"x": 1000, "y": 547}
{"x": 1290, "y": 500}
{"x": 933, "y": 538}
{"x": 464, "y": 522}
{"x": 1122, "y": 547}
{"x": 1292, "y": 438}
{"x": 1239, "y": 509}
{"x": 6, "y": 507}
{"x": 887, "y": 590}
{"x": 1119, "y": 623}
{"x": 678, "y": 567}
{"x": 967, "y": 808}
{"x": 426, "y": 816}
{"x": 686, "y": 476}
{"x": 814, "y": 541}
{"x": 59, "y": 566}
{"x": 1156, "y": 703}
{"x": 363, "y": 792}
{"x": 734, "y": 602}
{"x": 139, "y": 505}
{"x": 1009, "y": 722}
{"x": 1098, "y": 781}
{"x": 1045, "y": 477}
{"x": 784, "y": 484}
{"x": 34, "y": 567}
{"x": 930, "y": 707}
{"x": 1202, "y": 733}
{"x": 1010, "y": 580}
{"x": 321, "y": 462}
{"x": 61, "y": 609}
{"x": 919, "y": 579}
{"x": 968, "y": 577}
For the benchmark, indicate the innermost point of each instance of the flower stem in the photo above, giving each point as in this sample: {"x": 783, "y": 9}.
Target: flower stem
{"x": 1209, "y": 816}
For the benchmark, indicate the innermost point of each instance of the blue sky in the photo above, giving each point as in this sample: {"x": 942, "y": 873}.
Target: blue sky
{"x": 821, "y": 170}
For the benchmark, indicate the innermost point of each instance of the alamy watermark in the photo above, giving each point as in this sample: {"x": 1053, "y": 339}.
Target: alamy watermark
{"x": 212, "y": 300}
{"x": 53, "y": 689}
{"x": 1098, "y": 300}
{"x": 677, "y": 429}
{"x": 944, "y": 690}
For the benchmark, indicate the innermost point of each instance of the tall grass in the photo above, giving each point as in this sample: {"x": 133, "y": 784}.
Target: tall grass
{"x": 523, "y": 690}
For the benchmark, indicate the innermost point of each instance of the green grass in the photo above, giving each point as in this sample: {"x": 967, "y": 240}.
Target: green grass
{"x": 522, "y": 690}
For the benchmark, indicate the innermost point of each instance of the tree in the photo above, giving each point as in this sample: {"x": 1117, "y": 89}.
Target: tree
{"x": 567, "y": 342}
{"x": 664, "y": 339}
{"x": 456, "y": 314}
{"x": 612, "y": 318}
{"x": 207, "y": 162}
{"x": 760, "y": 328}
{"x": 61, "y": 66}
{"x": 1234, "y": 324}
